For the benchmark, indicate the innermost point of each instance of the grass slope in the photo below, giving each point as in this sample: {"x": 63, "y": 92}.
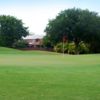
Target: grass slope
{"x": 4, "y": 50}
{"x": 48, "y": 76}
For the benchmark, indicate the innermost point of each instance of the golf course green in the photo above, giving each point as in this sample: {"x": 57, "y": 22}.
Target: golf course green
{"x": 41, "y": 75}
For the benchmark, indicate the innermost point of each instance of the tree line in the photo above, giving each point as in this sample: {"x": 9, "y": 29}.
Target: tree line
{"x": 77, "y": 29}
{"x": 80, "y": 28}
{"x": 11, "y": 31}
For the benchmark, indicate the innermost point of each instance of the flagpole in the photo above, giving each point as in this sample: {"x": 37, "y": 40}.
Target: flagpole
{"x": 63, "y": 43}
{"x": 64, "y": 40}
{"x": 63, "y": 48}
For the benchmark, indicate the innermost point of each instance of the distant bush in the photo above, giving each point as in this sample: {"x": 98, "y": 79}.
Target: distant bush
{"x": 83, "y": 48}
{"x": 58, "y": 47}
{"x": 71, "y": 48}
{"x": 66, "y": 47}
{"x": 20, "y": 44}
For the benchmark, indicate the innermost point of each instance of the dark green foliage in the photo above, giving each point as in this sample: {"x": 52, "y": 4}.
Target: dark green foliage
{"x": 47, "y": 43}
{"x": 66, "y": 47}
{"x": 11, "y": 30}
{"x": 60, "y": 47}
{"x": 77, "y": 25}
{"x": 20, "y": 44}
{"x": 82, "y": 48}
{"x": 72, "y": 48}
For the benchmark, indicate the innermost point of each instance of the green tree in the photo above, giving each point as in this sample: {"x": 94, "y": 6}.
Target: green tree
{"x": 77, "y": 25}
{"x": 20, "y": 44}
{"x": 11, "y": 30}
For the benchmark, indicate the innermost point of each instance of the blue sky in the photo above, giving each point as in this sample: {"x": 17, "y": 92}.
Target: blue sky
{"x": 36, "y": 13}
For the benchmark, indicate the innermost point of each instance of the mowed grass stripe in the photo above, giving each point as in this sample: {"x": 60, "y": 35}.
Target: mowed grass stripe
{"x": 48, "y": 76}
{"x": 48, "y": 59}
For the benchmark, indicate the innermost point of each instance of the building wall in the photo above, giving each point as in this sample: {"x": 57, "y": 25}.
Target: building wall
{"x": 35, "y": 42}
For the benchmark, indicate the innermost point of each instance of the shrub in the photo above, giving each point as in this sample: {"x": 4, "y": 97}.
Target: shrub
{"x": 59, "y": 47}
{"x": 71, "y": 48}
{"x": 20, "y": 44}
{"x": 83, "y": 48}
{"x": 66, "y": 47}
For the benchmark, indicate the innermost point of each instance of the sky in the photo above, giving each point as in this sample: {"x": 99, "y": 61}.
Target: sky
{"x": 36, "y": 13}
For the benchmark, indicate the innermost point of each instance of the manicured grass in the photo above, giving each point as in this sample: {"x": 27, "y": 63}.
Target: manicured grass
{"x": 41, "y": 75}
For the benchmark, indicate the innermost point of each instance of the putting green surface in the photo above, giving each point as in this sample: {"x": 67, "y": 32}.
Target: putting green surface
{"x": 37, "y": 75}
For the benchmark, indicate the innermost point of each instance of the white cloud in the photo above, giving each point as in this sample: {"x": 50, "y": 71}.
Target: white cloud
{"x": 35, "y": 17}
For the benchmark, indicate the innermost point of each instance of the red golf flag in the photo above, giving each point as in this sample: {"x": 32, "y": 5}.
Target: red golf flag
{"x": 64, "y": 38}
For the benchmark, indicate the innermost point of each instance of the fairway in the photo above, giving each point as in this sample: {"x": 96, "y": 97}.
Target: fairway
{"x": 39, "y": 75}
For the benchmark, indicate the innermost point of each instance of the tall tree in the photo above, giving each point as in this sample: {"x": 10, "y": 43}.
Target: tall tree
{"x": 77, "y": 25}
{"x": 11, "y": 30}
